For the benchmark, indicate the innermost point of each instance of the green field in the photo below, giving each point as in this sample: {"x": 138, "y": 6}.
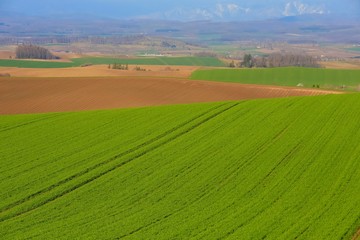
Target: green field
{"x": 274, "y": 169}
{"x": 76, "y": 62}
{"x": 34, "y": 64}
{"x": 325, "y": 78}
{"x": 355, "y": 49}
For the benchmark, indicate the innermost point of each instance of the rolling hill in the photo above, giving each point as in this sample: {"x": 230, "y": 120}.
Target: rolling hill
{"x": 275, "y": 169}
{"x": 77, "y": 62}
{"x": 288, "y": 76}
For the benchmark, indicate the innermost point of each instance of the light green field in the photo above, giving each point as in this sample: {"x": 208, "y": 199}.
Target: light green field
{"x": 76, "y": 62}
{"x": 355, "y": 49}
{"x": 325, "y": 78}
{"x": 274, "y": 169}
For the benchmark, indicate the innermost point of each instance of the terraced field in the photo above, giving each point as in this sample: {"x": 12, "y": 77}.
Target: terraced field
{"x": 308, "y": 77}
{"x": 77, "y": 62}
{"x": 274, "y": 169}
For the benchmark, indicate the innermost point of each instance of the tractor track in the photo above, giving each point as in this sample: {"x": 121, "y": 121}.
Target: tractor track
{"x": 10, "y": 211}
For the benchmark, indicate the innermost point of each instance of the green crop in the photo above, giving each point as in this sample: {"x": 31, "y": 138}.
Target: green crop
{"x": 34, "y": 64}
{"x": 76, "y": 62}
{"x": 274, "y": 169}
{"x": 307, "y": 77}
{"x": 355, "y": 49}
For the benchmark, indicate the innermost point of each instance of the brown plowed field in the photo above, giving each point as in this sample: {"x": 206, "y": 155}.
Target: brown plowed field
{"x": 40, "y": 95}
{"x": 341, "y": 65}
{"x": 7, "y": 54}
{"x": 100, "y": 70}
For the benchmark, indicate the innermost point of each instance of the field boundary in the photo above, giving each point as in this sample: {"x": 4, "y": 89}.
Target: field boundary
{"x": 4, "y": 129}
{"x": 357, "y": 235}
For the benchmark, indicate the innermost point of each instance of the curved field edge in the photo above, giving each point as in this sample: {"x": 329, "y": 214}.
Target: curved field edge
{"x": 275, "y": 169}
{"x": 77, "y": 62}
{"x": 308, "y": 77}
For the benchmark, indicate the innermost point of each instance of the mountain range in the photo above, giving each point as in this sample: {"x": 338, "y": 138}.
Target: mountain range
{"x": 185, "y": 10}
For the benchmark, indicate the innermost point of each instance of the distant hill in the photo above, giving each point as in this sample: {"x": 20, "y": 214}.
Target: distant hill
{"x": 294, "y": 29}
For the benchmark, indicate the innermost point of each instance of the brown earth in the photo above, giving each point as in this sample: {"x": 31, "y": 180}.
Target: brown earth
{"x": 7, "y": 54}
{"x": 40, "y": 95}
{"x": 357, "y": 235}
{"x": 341, "y": 65}
{"x": 100, "y": 70}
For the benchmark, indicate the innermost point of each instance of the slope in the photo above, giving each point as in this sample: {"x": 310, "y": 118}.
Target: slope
{"x": 275, "y": 169}
{"x": 77, "y": 62}
{"x": 290, "y": 76}
{"x": 44, "y": 95}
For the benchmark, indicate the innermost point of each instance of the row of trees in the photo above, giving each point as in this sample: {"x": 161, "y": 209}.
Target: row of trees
{"x": 119, "y": 66}
{"x": 33, "y": 52}
{"x": 205, "y": 54}
{"x": 125, "y": 67}
{"x": 277, "y": 60}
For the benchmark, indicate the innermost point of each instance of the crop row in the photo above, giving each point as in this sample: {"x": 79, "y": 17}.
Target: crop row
{"x": 275, "y": 169}
{"x": 98, "y": 170}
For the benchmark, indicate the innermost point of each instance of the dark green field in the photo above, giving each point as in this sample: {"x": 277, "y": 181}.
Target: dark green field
{"x": 261, "y": 169}
{"x": 34, "y": 64}
{"x": 308, "y": 77}
{"x": 76, "y": 62}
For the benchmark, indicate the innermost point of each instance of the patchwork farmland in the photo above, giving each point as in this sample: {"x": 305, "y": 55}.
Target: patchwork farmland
{"x": 178, "y": 152}
{"x": 273, "y": 168}
{"x": 209, "y": 120}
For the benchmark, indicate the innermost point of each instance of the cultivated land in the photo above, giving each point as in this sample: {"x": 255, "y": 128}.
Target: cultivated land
{"x": 341, "y": 65}
{"x": 101, "y": 70}
{"x": 216, "y": 162}
{"x": 284, "y": 168}
{"x": 291, "y": 76}
{"x": 39, "y": 95}
{"x": 275, "y": 169}
{"x": 77, "y": 62}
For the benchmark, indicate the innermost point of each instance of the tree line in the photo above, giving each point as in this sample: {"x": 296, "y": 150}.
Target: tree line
{"x": 119, "y": 66}
{"x": 277, "y": 60}
{"x": 33, "y": 52}
{"x": 125, "y": 67}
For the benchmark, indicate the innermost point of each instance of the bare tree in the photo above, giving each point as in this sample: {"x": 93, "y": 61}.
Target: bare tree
{"x": 34, "y": 52}
{"x": 280, "y": 60}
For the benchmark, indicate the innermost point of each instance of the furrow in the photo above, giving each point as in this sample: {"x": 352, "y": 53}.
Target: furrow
{"x": 87, "y": 170}
{"x": 4, "y": 129}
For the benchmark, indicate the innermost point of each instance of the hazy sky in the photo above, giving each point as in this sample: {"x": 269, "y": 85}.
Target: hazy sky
{"x": 184, "y": 9}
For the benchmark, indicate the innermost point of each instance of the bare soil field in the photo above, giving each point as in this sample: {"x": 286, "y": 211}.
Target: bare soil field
{"x": 4, "y": 54}
{"x": 100, "y": 70}
{"x": 341, "y": 65}
{"x": 40, "y": 95}
{"x": 330, "y": 51}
